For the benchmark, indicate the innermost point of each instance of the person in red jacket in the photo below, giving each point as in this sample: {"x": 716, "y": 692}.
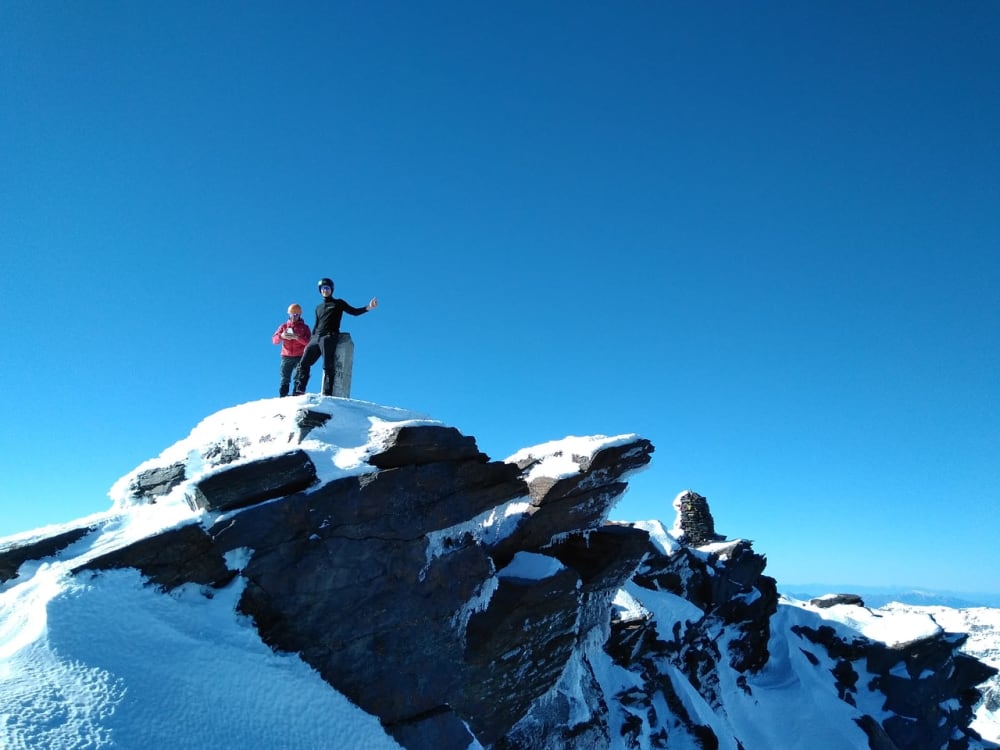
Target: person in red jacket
{"x": 293, "y": 336}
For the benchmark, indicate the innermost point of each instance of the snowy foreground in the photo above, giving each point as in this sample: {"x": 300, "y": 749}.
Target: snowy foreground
{"x": 104, "y": 661}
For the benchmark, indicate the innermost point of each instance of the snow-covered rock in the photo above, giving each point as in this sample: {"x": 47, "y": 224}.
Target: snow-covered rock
{"x": 454, "y": 600}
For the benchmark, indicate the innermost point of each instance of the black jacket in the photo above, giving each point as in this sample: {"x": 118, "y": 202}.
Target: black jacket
{"x": 328, "y": 315}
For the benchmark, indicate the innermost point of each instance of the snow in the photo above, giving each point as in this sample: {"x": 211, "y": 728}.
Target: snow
{"x": 892, "y": 628}
{"x": 559, "y": 458}
{"x": 268, "y": 427}
{"x": 489, "y": 527}
{"x": 627, "y": 608}
{"x": 103, "y": 660}
{"x": 531, "y": 566}
{"x": 666, "y": 542}
{"x": 118, "y": 664}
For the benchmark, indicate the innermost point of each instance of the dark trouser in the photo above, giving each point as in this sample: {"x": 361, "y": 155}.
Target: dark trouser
{"x": 287, "y": 366}
{"x": 325, "y": 346}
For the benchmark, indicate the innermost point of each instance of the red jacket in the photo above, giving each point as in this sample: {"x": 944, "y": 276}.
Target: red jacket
{"x": 292, "y": 347}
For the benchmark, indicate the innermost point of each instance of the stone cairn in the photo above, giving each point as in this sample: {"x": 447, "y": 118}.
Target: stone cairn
{"x": 695, "y": 519}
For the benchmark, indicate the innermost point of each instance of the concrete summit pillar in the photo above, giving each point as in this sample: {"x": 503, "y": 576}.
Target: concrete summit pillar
{"x": 344, "y": 363}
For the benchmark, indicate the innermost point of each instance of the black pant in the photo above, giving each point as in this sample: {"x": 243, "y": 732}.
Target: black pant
{"x": 325, "y": 346}
{"x": 287, "y": 366}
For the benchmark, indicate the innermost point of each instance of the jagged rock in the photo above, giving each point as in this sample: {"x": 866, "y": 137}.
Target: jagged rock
{"x": 314, "y": 563}
{"x": 572, "y": 504}
{"x": 933, "y": 674}
{"x": 425, "y": 444}
{"x": 545, "y": 727}
{"x": 358, "y": 545}
{"x": 226, "y": 452}
{"x": 830, "y": 600}
{"x": 250, "y": 483}
{"x": 14, "y": 556}
{"x": 454, "y": 644}
{"x": 178, "y": 556}
{"x": 399, "y": 587}
{"x": 518, "y": 648}
{"x": 604, "y": 467}
{"x": 157, "y": 481}
{"x": 605, "y": 559}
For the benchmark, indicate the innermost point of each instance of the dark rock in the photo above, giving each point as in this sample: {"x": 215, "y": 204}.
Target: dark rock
{"x": 423, "y": 444}
{"x": 681, "y": 573}
{"x": 575, "y": 503}
{"x": 877, "y": 737}
{"x": 517, "y": 648}
{"x": 308, "y": 420}
{"x": 11, "y": 558}
{"x": 604, "y": 468}
{"x": 371, "y": 615}
{"x": 825, "y": 602}
{"x": 251, "y": 483}
{"x": 438, "y": 729}
{"x": 846, "y": 680}
{"x": 402, "y": 504}
{"x": 907, "y": 733}
{"x": 419, "y": 499}
{"x": 752, "y": 618}
{"x": 156, "y": 482}
{"x": 742, "y": 568}
{"x": 556, "y": 515}
{"x": 729, "y": 586}
{"x": 358, "y": 545}
{"x": 545, "y": 726}
{"x": 969, "y": 674}
{"x": 224, "y": 453}
{"x": 174, "y": 557}
{"x": 836, "y": 647}
{"x": 933, "y": 674}
{"x": 605, "y": 559}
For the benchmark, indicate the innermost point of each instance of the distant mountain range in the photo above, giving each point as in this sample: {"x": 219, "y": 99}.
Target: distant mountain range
{"x": 879, "y": 596}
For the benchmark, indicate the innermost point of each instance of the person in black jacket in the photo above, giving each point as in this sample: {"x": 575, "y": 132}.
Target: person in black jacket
{"x": 324, "y": 338}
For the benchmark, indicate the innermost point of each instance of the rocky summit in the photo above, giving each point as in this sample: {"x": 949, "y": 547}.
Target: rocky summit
{"x": 470, "y": 602}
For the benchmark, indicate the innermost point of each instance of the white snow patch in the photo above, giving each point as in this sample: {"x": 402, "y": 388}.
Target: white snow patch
{"x": 558, "y": 459}
{"x": 531, "y": 566}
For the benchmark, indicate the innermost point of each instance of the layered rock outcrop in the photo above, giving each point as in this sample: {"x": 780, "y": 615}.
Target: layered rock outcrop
{"x": 391, "y": 584}
{"x": 476, "y": 603}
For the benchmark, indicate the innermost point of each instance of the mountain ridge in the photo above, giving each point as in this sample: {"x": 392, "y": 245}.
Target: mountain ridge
{"x": 879, "y": 596}
{"x": 466, "y": 602}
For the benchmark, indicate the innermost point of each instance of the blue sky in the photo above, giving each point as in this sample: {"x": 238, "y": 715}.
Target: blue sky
{"x": 764, "y": 236}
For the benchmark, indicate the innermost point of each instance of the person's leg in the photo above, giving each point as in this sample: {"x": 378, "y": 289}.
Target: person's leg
{"x": 329, "y": 346}
{"x": 309, "y": 357}
{"x": 287, "y": 366}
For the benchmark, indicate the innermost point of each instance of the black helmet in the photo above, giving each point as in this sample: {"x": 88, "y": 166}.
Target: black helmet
{"x": 325, "y": 282}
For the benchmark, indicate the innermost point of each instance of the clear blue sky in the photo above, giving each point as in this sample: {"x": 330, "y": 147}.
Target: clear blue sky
{"x": 766, "y": 236}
